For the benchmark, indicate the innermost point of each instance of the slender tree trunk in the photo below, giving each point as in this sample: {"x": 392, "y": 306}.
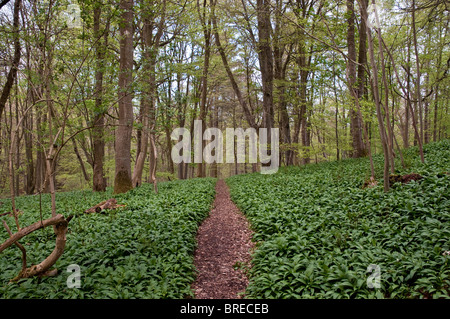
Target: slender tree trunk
{"x": 336, "y": 112}
{"x": 29, "y": 180}
{"x": 300, "y": 127}
{"x": 436, "y": 92}
{"x": 41, "y": 118}
{"x": 280, "y": 63}
{"x": 266, "y": 62}
{"x": 168, "y": 130}
{"x": 40, "y": 155}
{"x": 418, "y": 75}
{"x": 426, "y": 121}
{"x": 98, "y": 179}
{"x": 80, "y": 160}
{"x": 206, "y": 24}
{"x": 17, "y": 157}
{"x": 236, "y": 165}
{"x": 10, "y": 79}
{"x": 408, "y": 100}
{"x": 390, "y": 136}
{"x": 362, "y": 54}
{"x": 214, "y": 118}
{"x": 182, "y": 107}
{"x": 150, "y": 46}
{"x": 435, "y": 120}
{"x": 381, "y": 127}
{"x": 306, "y": 137}
{"x": 355, "y": 125}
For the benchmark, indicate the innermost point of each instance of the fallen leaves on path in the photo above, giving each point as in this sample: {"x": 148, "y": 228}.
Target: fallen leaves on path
{"x": 224, "y": 250}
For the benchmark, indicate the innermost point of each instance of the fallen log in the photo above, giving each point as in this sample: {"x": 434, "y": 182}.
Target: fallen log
{"x": 107, "y": 204}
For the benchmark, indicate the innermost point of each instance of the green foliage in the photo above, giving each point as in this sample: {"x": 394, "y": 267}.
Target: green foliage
{"x": 166, "y": 176}
{"x": 318, "y": 230}
{"x": 144, "y": 250}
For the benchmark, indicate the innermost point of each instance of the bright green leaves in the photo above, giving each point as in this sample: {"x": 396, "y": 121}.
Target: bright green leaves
{"x": 144, "y": 250}
{"x": 318, "y": 230}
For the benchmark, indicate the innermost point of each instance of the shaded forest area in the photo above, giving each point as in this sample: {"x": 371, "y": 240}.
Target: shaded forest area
{"x": 91, "y": 90}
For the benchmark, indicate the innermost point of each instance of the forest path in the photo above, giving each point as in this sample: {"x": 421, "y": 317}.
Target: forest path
{"x": 224, "y": 245}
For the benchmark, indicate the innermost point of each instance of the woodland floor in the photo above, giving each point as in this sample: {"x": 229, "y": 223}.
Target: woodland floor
{"x": 224, "y": 250}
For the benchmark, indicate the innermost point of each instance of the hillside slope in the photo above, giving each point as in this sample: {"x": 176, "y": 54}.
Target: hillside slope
{"x": 319, "y": 231}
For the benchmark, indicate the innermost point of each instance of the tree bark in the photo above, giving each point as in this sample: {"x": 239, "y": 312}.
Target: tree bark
{"x": 29, "y": 177}
{"x": 266, "y": 62}
{"x": 416, "y": 52}
{"x": 150, "y": 46}
{"x": 98, "y": 178}
{"x": 206, "y": 25}
{"x": 355, "y": 124}
{"x": 381, "y": 128}
{"x": 122, "y": 181}
{"x": 408, "y": 100}
{"x": 362, "y": 54}
{"x": 280, "y": 64}
{"x": 390, "y": 135}
{"x": 80, "y": 160}
{"x": 182, "y": 107}
{"x": 10, "y": 79}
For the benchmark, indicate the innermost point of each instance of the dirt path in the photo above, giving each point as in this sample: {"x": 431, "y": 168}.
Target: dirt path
{"x": 224, "y": 242}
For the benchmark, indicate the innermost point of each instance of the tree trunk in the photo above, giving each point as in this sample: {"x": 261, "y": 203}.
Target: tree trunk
{"x": 435, "y": 121}
{"x": 80, "y": 160}
{"x": 214, "y": 122}
{"x": 10, "y": 79}
{"x": 182, "y": 106}
{"x": 362, "y": 54}
{"x": 408, "y": 100}
{"x": 266, "y": 62}
{"x": 98, "y": 179}
{"x": 336, "y": 112}
{"x": 40, "y": 154}
{"x": 122, "y": 181}
{"x": 206, "y": 24}
{"x": 355, "y": 124}
{"x": 381, "y": 127}
{"x": 150, "y": 46}
{"x": 29, "y": 180}
{"x": 390, "y": 135}
{"x": 146, "y": 104}
{"x": 416, "y": 51}
{"x": 280, "y": 64}
{"x": 301, "y": 125}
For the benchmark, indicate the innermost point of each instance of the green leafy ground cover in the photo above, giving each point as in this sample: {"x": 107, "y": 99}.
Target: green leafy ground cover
{"x": 144, "y": 250}
{"x": 318, "y": 230}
